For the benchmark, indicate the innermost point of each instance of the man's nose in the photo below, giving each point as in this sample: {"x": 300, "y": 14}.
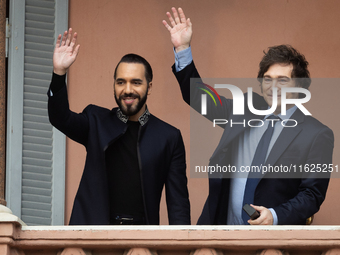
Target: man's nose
{"x": 128, "y": 88}
{"x": 275, "y": 83}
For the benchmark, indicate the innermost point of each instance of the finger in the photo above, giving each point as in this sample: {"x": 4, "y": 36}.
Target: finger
{"x": 57, "y": 45}
{"x": 189, "y": 24}
{"x": 174, "y": 11}
{"x": 74, "y": 39}
{"x": 172, "y": 22}
{"x": 257, "y": 208}
{"x": 255, "y": 222}
{"x": 76, "y": 51}
{"x": 181, "y": 15}
{"x": 64, "y": 38}
{"x": 166, "y": 25}
{"x": 260, "y": 219}
{"x": 68, "y": 40}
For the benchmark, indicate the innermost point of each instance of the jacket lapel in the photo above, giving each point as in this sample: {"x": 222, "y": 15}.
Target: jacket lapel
{"x": 230, "y": 133}
{"x": 287, "y": 135}
{"x": 112, "y": 129}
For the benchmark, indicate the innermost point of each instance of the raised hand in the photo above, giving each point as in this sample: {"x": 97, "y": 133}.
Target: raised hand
{"x": 180, "y": 29}
{"x": 64, "y": 52}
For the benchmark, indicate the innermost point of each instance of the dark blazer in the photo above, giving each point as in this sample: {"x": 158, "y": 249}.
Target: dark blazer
{"x": 310, "y": 142}
{"x": 162, "y": 161}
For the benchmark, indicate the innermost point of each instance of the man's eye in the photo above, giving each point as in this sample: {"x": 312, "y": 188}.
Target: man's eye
{"x": 283, "y": 81}
{"x": 267, "y": 80}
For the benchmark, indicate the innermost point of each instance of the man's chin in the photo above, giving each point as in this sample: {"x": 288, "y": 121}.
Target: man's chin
{"x": 132, "y": 109}
{"x": 129, "y": 111}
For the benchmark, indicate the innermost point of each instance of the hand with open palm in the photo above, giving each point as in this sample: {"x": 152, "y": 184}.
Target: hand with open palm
{"x": 180, "y": 29}
{"x": 65, "y": 52}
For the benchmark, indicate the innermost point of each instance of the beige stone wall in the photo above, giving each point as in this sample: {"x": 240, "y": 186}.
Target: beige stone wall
{"x": 229, "y": 37}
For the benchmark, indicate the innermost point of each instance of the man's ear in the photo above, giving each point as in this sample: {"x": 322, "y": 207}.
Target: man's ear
{"x": 149, "y": 87}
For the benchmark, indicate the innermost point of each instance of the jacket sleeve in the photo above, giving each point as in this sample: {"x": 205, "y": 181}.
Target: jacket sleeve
{"x": 191, "y": 86}
{"x": 177, "y": 196}
{"x": 73, "y": 125}
{"x": 313, "y": 186}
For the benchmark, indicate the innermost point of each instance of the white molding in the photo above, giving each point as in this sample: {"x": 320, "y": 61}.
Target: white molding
{"x": 59, "y": 139}
{"x": 14, "y": 111}
{"x": 14, "y": 149}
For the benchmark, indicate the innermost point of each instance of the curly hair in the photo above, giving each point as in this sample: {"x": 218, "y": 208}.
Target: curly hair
{"x": 286, "y": 54}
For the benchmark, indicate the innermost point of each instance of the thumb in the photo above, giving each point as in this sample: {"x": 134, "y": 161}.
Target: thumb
{"x": 257, "y": 208}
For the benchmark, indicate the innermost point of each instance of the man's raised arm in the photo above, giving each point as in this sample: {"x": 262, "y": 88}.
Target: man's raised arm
{"x": 73, "y": 125}
{"x": 180, "y": 30}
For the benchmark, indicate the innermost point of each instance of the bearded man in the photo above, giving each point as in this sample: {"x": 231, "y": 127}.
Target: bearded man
{"x": 131, "y": 154}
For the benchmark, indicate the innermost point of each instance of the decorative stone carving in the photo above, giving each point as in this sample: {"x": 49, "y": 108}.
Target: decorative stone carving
{"x": 206, "y": 251}
{"x": 272, "y": 252}
{"x": 139, "y": 251}
{"x": 332, "y": 252}
{"x": 74, "y": 251}
{"x": 6, "y": 215}
{"x": 16, "y": 252}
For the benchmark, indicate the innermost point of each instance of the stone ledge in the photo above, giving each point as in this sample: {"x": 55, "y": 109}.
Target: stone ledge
{"x": 185, "y": 227}
{"x": 195, "y": 239}
{"x": 183, "y": 237}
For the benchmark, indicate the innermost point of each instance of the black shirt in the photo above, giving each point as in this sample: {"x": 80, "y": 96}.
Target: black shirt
{"x": 124, "y": 175}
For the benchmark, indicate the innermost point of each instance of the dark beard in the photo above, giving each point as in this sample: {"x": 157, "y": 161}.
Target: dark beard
{"x": 131, "y": 110}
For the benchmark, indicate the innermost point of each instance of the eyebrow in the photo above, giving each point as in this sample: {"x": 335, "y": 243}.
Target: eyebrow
{"x": 281, "y": 76}
{"x": 133, "y": 80}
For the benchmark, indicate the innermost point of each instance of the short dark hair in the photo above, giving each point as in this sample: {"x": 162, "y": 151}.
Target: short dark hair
{"x": 286, "y": 54}
{"x": 134, "y": 58}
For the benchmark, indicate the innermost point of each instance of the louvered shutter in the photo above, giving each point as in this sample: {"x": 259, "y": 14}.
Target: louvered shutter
{"x": 35, "y": 180}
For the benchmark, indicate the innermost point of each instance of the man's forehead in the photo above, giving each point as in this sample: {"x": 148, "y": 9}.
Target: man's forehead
{"x": 130, "y": 71}
{"x": 279, "y": 70}
{"x": 131, "y": 67}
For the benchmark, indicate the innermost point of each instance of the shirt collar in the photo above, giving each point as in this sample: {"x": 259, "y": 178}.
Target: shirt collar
{"x": 289, "y": 113}
{"x": 143, "y": 119}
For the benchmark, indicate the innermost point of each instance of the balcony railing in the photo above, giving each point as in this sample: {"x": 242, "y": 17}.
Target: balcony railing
{"x": 16, "y": 239}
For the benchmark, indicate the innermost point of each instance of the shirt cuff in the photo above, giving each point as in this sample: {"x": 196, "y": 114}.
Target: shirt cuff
{"x": 275, "y": 219}
{"x": 182, "y": 58}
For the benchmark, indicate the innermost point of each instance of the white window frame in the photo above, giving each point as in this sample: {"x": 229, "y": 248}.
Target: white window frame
{"x": 15, "y": 115}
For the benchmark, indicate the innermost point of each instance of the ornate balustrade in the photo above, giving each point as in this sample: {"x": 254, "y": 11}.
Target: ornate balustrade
{"x": 17, "y": 239}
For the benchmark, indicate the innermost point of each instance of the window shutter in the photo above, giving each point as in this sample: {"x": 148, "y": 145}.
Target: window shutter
{"x": 36, "y": 158}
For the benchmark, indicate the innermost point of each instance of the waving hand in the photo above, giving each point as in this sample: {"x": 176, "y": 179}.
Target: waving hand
{"x": 180, "y": 29}
{"x": 65, "y": 52}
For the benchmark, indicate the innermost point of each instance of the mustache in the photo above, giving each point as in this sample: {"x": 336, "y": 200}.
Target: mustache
{"x": 134, "y": 95}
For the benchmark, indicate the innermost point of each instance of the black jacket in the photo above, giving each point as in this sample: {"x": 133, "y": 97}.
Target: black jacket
{"x": 161, "y": 158}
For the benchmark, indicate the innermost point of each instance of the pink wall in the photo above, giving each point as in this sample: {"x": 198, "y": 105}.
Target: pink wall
{"x": 229, "y": 37}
